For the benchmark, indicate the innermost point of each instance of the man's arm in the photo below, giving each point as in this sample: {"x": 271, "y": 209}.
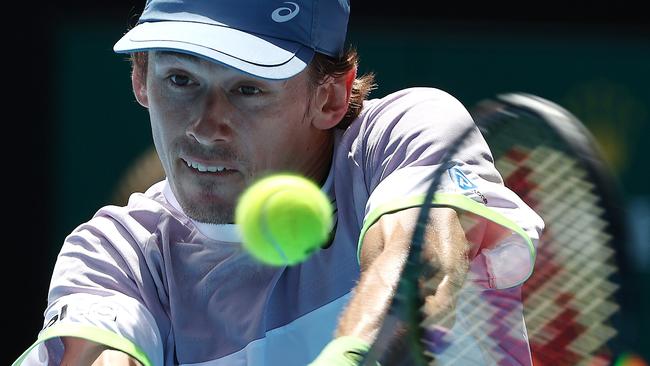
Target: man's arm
{"x": 383, "y": 254}
{"x": 82, "y": 352}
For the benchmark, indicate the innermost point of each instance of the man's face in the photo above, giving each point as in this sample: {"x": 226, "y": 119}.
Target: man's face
{"x": 217, "y": 129}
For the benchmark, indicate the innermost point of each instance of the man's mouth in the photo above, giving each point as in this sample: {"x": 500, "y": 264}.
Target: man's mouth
{"x": 203, "y": 168}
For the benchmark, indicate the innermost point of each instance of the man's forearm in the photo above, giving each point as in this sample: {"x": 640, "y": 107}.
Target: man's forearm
{"x": 371, "y": 298}
{"x": 388, "y": 244}
{"x": 384, "y": 252}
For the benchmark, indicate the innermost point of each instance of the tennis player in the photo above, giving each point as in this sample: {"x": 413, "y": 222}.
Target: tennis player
{"x": 238, "y": 89}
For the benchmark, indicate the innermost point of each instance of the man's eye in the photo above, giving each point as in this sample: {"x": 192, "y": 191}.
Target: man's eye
{"x": 248, "y": 90}
{"x": 180, "y": 80}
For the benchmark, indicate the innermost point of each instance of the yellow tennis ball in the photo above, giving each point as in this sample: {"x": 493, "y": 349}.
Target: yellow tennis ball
{"x": 283, "y": 219}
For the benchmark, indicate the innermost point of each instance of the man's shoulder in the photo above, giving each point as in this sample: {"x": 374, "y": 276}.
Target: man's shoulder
{"x": 412, "y": 111}
{"x": 412, "y": 106}
{"x": 410, "y": 97}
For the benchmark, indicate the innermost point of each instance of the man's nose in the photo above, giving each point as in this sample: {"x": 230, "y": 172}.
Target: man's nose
{"x": 213, "y": 123}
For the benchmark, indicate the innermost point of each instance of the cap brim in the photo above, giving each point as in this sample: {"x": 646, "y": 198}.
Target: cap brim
{"x": 261, "y": 56}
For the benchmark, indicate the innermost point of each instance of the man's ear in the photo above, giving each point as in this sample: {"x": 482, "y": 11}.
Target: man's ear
{"x": 139, "y": 83}
{"x": 332, "y": 99}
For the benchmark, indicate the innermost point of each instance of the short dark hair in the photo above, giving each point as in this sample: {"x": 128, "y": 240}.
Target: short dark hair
{"x": 320, "y": 68}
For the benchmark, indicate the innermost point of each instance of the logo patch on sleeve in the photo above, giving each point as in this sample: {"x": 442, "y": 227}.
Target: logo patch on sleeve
{"x": 460, "y": 179}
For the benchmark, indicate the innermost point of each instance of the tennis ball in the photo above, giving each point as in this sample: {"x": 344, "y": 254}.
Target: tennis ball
{"x": 283, "y": 218}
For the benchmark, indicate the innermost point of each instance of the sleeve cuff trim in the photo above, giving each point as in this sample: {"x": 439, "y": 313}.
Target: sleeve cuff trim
{"x": 90, "y": 333}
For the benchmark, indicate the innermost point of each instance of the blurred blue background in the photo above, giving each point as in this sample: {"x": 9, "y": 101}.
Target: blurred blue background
{"x": 74, "y": 128}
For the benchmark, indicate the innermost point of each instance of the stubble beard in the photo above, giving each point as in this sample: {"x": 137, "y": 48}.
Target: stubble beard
{"x": 215, "y": 211}
{"x": 210, "y": 214}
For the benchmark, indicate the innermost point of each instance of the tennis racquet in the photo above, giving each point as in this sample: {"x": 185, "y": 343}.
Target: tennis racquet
{"x": 546, "y": 156}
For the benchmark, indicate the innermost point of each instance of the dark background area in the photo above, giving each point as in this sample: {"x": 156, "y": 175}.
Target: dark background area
{"x": 73, "y": 127}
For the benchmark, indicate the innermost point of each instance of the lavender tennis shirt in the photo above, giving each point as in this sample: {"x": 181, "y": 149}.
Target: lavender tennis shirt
{"x": 148, "y": 280}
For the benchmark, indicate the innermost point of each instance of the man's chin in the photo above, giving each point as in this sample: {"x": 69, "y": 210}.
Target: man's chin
{"x": 208, "y": 210}
{"x": 208, "y": 202}
{"x": 210, "y": 215}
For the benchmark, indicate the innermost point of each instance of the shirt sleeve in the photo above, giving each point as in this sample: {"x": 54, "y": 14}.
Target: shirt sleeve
{"x": 405, "y": 139}
{"x": 95, "y": 294}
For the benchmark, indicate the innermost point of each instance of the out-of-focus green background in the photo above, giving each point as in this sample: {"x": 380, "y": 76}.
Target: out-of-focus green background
{"x": 81, "y": 128}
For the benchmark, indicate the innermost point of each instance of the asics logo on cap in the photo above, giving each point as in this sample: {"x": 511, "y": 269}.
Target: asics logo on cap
{"x": 284, "y": 14}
